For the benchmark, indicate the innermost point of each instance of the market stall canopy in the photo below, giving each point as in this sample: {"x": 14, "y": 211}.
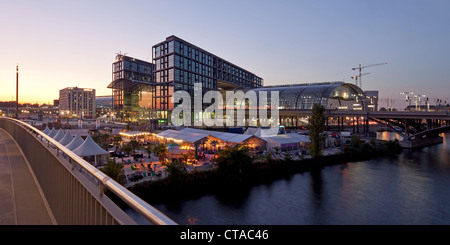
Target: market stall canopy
{"x": 66, "y": 139}
{"x": 52, "y": 133}
{"x": 46, "y": 130}
{"x": 89, "y": 148}
{"x": 77, "y": 141}
{"x": 59, "y": 135}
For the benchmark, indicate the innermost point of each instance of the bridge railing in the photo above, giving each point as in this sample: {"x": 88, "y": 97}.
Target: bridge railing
{"x": 73, "y": 188}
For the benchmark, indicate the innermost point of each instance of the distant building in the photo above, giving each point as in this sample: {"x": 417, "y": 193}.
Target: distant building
{"x": 104, "y": 101}
{"x": 104, "y": 106}
{"x": 143, "y": 90}
{"x": 372, "y": 97}
{"x": 179, "y": 65}
{"x": 77, "y": 102}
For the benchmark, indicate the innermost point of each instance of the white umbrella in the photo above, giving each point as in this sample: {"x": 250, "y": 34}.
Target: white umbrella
{"x": 66, "y": 139}
{"x": 77, "y": 141}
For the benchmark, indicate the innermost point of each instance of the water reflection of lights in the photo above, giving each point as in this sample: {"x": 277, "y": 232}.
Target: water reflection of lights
{"x": 388, "y": 136}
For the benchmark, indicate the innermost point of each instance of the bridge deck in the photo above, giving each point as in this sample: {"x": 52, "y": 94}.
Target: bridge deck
{"x": 21, "y": 202}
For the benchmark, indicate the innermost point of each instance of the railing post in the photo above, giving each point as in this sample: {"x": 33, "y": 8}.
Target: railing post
{"x": 100, "y": 188}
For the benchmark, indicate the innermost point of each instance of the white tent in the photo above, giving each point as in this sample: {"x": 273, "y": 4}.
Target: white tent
{"x": 46, "y": 130}
{"x": 59, "y": 135}
{"x": 89, "y": 148}
{"x": 77, "y": 141}
{"x": 261, "y": 132}
{"x": 66, "y": 139}
{"x": 52, "y": 133}
{"x": 286, "y": 142}
{"x": 191, "y": 137}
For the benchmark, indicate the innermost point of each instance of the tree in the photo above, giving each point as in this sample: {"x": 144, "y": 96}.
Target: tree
{"x": 114, "y": 170}
{"x": 134, "y": 144}
{"x": 149, "y": 151}
{"x": 117, "y": 139}
{"x": 186, "y": 156}
{"x": 161, "y": 151}
{"x": 287, "y": 157}
{"x": 234, "y": 161}
{"x": 316, "y": 130}
{"x": 175, "y": 169}
{"x": 277, "y": 150}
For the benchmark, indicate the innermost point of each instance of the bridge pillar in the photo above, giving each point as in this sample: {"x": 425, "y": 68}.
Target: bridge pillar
{"x": 353, "y": 124}
{"x": 357, "y": 124}
{"x": 367, "y": 125}
{"x": 339, "y": 124}
{"x": 406, "y": 128}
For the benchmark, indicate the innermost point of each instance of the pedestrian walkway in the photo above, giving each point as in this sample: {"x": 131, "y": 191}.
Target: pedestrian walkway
{"x": 21, "y": 201}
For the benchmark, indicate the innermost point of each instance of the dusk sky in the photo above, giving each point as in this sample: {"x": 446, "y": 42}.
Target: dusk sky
{"x": 60, "y": 44}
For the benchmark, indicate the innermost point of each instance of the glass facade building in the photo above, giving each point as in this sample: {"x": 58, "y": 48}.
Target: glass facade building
{"x": 132, "y": 88}
{"x": 179, "y": 65}
{"x": 332, "y": 95}
{"x": 295, "y": 99}
{"x": 144, "y": 90}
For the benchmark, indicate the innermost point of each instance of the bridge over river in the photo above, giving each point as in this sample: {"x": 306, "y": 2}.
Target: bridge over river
{"x": 417, "y": 128}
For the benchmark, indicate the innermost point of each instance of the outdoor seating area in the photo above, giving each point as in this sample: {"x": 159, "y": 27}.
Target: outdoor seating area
{"x": 196, "y": 147}
{"x": 137, "y": 173}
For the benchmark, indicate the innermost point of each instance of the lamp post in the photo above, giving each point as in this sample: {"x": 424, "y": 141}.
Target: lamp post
{"x": 407, "y": 98}
{"x": 420, "y": 99}
{"x": 17, "y": 92}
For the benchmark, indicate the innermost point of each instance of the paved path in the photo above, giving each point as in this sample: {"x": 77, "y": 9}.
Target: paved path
{"x": 21, "y": 202}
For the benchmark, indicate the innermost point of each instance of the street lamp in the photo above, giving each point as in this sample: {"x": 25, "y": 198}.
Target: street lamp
{"x": 407, "y": 98}
{"x": 419, "y": 99}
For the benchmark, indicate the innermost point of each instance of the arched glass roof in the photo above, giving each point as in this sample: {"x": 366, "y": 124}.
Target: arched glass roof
{"x": 303, "y": 96}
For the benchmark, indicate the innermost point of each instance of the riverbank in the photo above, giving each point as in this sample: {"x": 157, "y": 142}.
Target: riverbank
{"x": 199, "y": 183}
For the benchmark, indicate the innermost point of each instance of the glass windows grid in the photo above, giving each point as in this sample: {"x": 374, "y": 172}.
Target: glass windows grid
{"x": 304, "y": 97}
{"x": 179, "y": 65}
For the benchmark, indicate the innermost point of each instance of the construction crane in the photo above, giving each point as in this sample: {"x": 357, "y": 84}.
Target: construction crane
{"x": 360, "y": 75}
{"x": 360, "y": 69}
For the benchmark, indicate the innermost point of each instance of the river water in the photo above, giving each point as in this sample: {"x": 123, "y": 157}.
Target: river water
{"x": 412, "y": 188}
